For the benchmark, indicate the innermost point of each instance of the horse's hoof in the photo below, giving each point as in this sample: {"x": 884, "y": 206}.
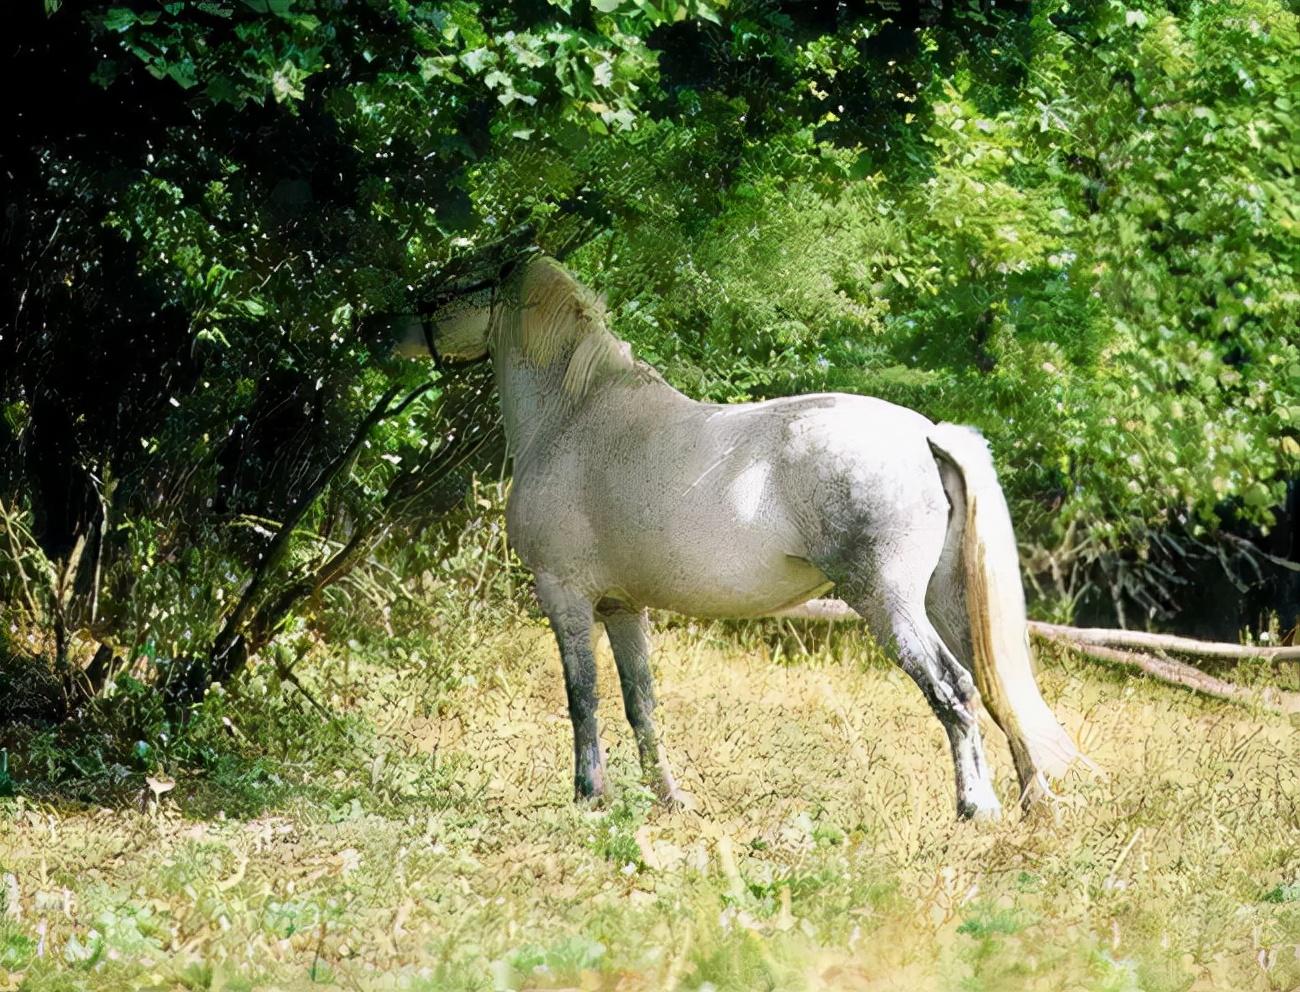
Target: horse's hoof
{"x": 588, "y": 793}
{"x": 1036, "y": 793}
{"x": 979, "y": 812}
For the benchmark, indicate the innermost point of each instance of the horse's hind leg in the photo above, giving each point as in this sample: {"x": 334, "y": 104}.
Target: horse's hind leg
{"x": 945, "y": 601}
{"x": 571, "y": 618}
{"x": 902, "y": 624}
{"x": 629, "y": 638}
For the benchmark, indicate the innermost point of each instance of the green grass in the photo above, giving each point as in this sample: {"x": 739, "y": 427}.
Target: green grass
{"x": 423, "y": 838}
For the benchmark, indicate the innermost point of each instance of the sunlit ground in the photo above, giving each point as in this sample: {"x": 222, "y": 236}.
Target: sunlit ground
{"x": 426, "y": 845}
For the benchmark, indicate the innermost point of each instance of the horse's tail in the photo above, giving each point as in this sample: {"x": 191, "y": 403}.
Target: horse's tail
{"x": 995, "y": 608}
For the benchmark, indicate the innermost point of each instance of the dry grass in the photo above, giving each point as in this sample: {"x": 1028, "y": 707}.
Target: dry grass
{"x": 442, "y": 852}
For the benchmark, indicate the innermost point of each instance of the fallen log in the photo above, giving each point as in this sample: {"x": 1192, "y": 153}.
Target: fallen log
{"x": 1143, "y": 641}
{"x": 1135, "y": 650}
{"x": 1169, "y": 670}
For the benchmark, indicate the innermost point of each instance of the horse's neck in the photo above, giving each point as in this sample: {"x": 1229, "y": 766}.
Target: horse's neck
{"x": 531, "y": 400}
{"x": 535, "y": 407}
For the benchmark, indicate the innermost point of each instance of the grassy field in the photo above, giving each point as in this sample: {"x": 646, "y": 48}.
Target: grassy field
{"x": 422, "y": 837}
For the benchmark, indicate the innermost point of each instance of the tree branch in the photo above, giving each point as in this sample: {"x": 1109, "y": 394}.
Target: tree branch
{"x": 230, "y": 649}
{"x": 1171, "y": 671}
{"x": 1142, "y": 641}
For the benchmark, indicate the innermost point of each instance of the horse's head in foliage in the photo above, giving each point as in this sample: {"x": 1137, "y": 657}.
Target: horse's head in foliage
{"x": 539, "y": 318}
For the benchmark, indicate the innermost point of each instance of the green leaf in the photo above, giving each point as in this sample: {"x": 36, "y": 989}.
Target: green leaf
{"x": 222, "y": 89}
{"x": 279, "y": 8}
{"x": 705, "y": 12}
{"x": 183, "y": 73}
{"x": 212, "y": 335}
{"x": 119, "y": 19}
{"x": 477, "y": 59}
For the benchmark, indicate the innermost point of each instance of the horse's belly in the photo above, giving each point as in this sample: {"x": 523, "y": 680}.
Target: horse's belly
{"x": 734, "y": 581}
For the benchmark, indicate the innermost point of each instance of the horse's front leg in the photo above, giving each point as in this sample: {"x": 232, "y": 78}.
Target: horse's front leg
{"x": 629, "y": 639}
{"x": 570, "y": 614}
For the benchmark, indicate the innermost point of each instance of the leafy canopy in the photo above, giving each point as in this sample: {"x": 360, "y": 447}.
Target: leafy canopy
{"x": 1072, "y": 224}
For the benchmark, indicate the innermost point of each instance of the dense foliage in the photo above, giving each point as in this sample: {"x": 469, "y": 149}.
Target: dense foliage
{"x": 1073, "y": 224}
{"x": 1086, "y": 243}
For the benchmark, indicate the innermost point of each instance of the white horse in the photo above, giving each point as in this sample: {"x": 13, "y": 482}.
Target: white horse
{"x": 628, "y": 494}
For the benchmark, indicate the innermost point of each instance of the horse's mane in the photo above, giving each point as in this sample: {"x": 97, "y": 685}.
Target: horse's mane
{"x": 555, "y": 318}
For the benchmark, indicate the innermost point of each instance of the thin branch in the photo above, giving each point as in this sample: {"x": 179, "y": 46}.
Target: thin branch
{"x": 230, "y": 648}
{"x": 280, "y": 543}
{"x": 402, "y": 492}
{"x": 10, "y": 522}
{"x": 1253, "y": 549}
{"x": 1142, "y": 641}
{"x": 1177, "y": 673}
